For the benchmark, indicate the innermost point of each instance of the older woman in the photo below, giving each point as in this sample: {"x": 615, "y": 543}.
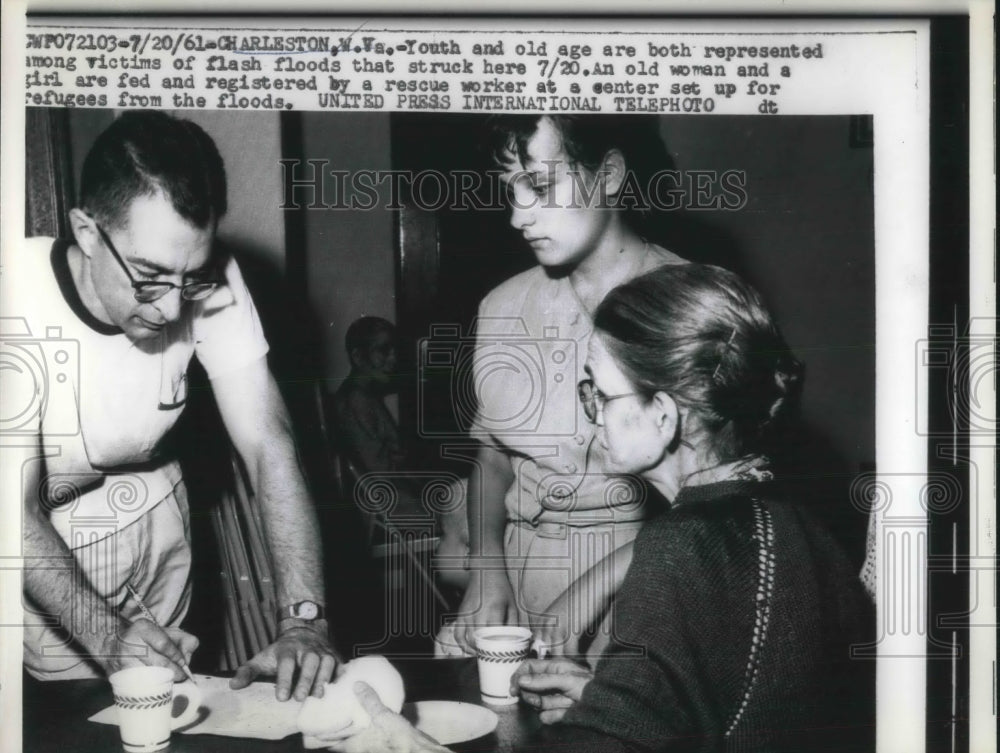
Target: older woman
{"x": 737, "y": 616}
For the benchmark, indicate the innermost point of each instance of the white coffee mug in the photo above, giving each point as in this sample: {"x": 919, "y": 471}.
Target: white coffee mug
{"x": 500, "y": 651}
{"x": 144, "y": 697}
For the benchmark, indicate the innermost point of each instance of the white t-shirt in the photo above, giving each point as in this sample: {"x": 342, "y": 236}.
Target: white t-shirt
{"x": 104, "y": 402}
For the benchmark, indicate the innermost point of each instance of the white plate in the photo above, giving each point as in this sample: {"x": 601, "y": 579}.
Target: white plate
{"x": 451, "y": 722}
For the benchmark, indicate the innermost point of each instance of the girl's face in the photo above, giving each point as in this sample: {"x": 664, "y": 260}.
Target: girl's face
{"x": 557, "y": 206}
{"x": 629, "y": 426}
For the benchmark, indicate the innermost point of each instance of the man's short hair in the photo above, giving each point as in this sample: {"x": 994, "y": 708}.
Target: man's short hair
{"x": 362, "y": 332}
{"x": 143, "y": 152}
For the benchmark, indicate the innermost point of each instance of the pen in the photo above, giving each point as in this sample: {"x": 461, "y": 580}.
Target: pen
{"x": 149, "y": 616}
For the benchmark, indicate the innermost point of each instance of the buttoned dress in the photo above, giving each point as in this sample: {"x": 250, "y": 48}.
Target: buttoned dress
{"x": 564, "y": 512}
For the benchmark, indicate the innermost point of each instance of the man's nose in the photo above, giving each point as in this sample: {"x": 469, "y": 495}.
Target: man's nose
{"x": 170, "y": 305}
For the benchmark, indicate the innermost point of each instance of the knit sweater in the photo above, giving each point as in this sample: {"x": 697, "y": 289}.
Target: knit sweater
{"x": 733, "y": 632}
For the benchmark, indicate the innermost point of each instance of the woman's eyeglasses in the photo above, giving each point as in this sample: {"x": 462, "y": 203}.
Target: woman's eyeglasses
{"x": 593, "y": 399}
{"x": 147, "y": 291}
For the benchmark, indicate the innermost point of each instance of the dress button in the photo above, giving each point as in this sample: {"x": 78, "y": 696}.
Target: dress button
{"x": 571, "y": 468}
{"x": 580, "y": 439}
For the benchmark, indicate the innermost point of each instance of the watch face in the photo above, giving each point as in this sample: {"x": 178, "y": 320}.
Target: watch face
{"x": 306, "y": 610}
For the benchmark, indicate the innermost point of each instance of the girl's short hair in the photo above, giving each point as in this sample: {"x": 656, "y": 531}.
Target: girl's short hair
{"x": 586, "y": 140}
{"x": 704, "y": 336}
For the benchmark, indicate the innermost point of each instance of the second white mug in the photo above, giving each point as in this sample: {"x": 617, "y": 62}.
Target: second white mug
{"x": 500, "y": 651}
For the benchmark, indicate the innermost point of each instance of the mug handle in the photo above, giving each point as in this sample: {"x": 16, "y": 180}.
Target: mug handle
{"x": 193, "y": 694}
{"x": 541, "y": 649}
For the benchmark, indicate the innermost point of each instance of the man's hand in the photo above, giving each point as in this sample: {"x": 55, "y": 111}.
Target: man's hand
{"x": 145, "y": 643}
{"x": 489, "y": 600}
{"x": 300, "y": 647}
{"x": 550, "y": 685}
{"x": 388, "y": 732}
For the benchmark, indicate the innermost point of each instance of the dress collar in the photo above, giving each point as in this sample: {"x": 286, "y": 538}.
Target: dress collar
{"x": 724, "y": 480}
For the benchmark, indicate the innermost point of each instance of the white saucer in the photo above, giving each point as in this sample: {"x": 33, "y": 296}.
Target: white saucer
{"x": 451, "y": 722}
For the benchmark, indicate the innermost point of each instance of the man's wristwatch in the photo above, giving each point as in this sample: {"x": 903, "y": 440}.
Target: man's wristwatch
{"x": 302, "y": 611}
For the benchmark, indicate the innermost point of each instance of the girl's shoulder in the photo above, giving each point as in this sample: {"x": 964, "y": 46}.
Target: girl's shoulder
{"x": 510, "y": 297}
{"x": 659, "y": 256}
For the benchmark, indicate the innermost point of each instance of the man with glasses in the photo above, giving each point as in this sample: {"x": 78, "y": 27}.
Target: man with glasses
{"x": 139, "y": 291}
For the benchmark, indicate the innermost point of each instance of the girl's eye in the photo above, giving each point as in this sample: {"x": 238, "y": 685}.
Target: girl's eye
{"x": 540, "y": 189}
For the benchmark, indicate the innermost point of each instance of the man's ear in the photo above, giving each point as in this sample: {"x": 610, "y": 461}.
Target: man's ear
{"x": 612, "y": 172}
{"x": 667, "y": 418}
{"x": 84, "y": 230}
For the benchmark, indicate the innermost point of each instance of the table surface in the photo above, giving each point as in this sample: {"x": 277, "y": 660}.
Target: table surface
{"x": 55, "y": 714}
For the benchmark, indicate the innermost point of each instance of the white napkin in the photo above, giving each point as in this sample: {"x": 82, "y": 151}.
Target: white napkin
{"x": 339, "y": 710}
{"x": 250, "y": 712}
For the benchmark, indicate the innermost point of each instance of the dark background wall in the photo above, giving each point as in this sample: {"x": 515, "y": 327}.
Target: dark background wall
{"x": 806, "y": 241}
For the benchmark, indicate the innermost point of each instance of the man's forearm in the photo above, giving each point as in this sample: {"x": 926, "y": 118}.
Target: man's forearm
{"x": 261, "y": 430}
{"x": 55, "y": 584}
{"x": 290, "y": 521}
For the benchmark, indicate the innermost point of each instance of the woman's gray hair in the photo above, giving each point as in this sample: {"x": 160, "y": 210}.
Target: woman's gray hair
{"x": 704, "y": 336}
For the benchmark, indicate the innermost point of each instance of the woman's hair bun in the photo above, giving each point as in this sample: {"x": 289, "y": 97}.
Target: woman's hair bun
{"x": 788, "y": 377}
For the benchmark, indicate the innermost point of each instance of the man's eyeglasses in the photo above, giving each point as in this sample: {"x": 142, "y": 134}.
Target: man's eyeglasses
{"x": 147, "y": 291}
{"x": 593, "y": 399}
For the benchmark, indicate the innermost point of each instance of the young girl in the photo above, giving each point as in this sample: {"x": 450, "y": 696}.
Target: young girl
{"x": 542, "y": 509}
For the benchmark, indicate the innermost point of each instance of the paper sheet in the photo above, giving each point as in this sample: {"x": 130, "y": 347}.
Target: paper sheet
{"x": 250, "y": 712}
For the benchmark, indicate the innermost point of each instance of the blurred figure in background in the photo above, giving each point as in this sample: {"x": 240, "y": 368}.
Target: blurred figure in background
{"x": 367, "y": 433}
{"x": 366, "y": 430}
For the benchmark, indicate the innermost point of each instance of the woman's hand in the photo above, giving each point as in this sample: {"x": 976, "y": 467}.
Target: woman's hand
{"x": 550, "y": 685}
{"x": 388, "y": 732}
{"x": 489, "y": 600}
{"x": 553, "y": 631}
{"x": 587, "y": 599}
